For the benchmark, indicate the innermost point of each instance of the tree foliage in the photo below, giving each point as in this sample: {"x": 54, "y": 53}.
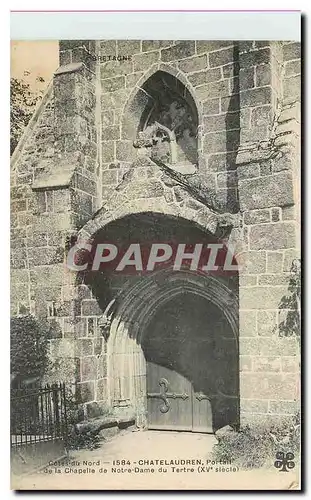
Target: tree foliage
{"x": 23, "y": 102}
{"x": 291, "y": 324}
{"x": 29, "y": 347}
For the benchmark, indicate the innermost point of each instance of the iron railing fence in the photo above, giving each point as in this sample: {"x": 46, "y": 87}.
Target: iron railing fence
{"x": 38, "y": 414}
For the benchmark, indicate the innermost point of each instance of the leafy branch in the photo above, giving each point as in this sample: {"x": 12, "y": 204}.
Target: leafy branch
{"x": 23, "y": 103}
{"x": 291, "y": 325}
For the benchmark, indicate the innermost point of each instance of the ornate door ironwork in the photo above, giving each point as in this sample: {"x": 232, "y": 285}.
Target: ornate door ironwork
{"x": 165, "y": 395}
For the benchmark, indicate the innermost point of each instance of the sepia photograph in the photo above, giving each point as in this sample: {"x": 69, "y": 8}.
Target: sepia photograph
{"x": 155, "y": 264}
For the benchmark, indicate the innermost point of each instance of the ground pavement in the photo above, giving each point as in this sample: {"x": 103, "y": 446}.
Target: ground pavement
{"x": 150, "y": 460}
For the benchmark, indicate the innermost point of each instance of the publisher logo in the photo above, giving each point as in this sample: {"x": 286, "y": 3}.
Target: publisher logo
{"x": 284, "y": 462}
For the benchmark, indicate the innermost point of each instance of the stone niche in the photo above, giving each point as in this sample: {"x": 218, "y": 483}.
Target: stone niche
{"x": 168, "y": 124}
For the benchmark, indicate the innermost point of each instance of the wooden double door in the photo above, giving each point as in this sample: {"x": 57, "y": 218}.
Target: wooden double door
{"x": 173, "y": 403}
{"x": 190, "y": 367}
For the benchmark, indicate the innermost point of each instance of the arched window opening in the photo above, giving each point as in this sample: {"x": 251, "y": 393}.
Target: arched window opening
{"x": 168, "y": 125}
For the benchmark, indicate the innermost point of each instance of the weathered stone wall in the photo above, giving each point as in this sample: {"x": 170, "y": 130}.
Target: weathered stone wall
{"x": 208, "y": 71}
{"x": 268, "y": 164}
{"x": 78, "y": 170}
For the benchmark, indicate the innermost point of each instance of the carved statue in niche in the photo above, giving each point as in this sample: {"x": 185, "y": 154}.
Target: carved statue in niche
{"x": 168, "y": 136}
{"x": 159, "y": 143}
{"x": 169, "y": 130}
{"x": 175, "y": 114}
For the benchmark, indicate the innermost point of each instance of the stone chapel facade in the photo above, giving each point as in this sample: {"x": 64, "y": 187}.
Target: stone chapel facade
{"x": 165, "y": 138}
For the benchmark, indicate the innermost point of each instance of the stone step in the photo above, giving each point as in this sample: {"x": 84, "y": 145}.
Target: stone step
{"x": 97, "y": 424}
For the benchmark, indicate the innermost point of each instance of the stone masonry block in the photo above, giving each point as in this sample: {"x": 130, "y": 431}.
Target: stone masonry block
{"x": 198, "y": 78}
{"x": 211, "y": 106}
{"x": 125, "y": 151}
{"x": 101, "y": 366}
{"x": 289, "y": 257}
{"x": 43, "y": 256}
{"x": 212, "y": 45}
{"x": 144, "y": 61}
{"x": 19, "y": 276}
{"x": 256, "y": 97}
{"x": 194, "y": 64}
{"x": 261, "y": 116}
{"x": 216, "y": 142}
{"x": 268, "y": 191}
{"x": 292, "y": 88}
{"x": 247, "y": 78}
{"x": 110, "y": 133}
{"x": 85, "y": 184}
{"x": 179, "y": 51}
{"x": 263, "y": 75}
{"x": 86, "y": 391}
{"x": 230, "y": 70}
{"x": 252, "y": 262}
{"x": 133, "y": 78}
{"x": 72, "y": 44}
{"x": 221, "y": 161}
{"x": 274, "y": 262}
{"x": 290, "y": 364}
{"x": 248, "y": 171}
{"x": 225, "y": 121}
{"x": 65, "y": 57}
{"x": 283, "y": 407}
{"x": 262, "y": 297}
{"x": 290, "y": 112}
{"x": 227, "y": 180}
{"x": 268, "y": 385}
{"x": 62, "y": 348}
{"x": 206, "y": 76}
{"x": 255, "y": 57}
{"x": 101, "y": 389}
{"x": 213, "y": 89}
{"x": 266, "y": 364}
{"x": 246, "y": 363}
{"x": 293, "y": 68}
{"x": 221, "y": 57}
{"x": 54, "y": 275}
{"x": 89, "y": 368}
{"x": 230, "y": 103}
{"x": 272, "y": 236}
{"x": 292, "y": 51}
{"x": 266, "y": 323}
{"x": 113, "y": 84}
{"x": 247, "y": 280}
{"x": 108, "y": 47}
{"x": 110, "y": 177}
{"x": 90, "y": 307}
{"x": 253, "y": 405}
{"x": 275, "y": 214}
{"x": 256, "y": 217}
{"x": 246, "y": 45}
{"x": 255, "y": 134}
{"x": 148, "y": 45}
{"x": 83, "y": 347}
{"x": 247, "y": 323}
{"x": 128, "y": 47}
{"x": 108, "y": 151}
{"x": 261, "y": 44}
{"x": 273, "y": 279}
{"x": 148, "y": 189}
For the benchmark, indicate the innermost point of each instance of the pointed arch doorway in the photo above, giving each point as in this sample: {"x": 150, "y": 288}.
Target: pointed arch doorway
{"x": 191, "y": 366}
{"x": 174, "y": 353}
